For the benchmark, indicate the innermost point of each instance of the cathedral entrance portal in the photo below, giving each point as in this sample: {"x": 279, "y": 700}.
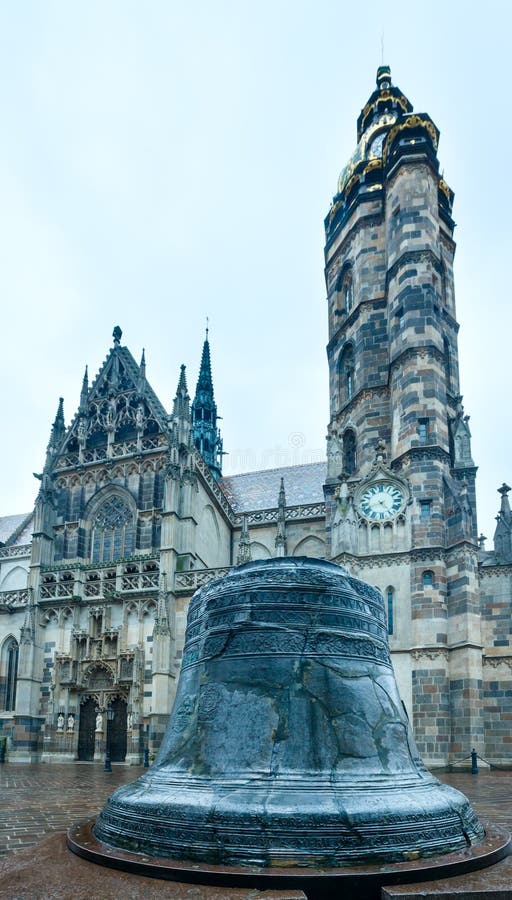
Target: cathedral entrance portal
{"x": 86, "y": 730}
{"x": 118, "y": 731}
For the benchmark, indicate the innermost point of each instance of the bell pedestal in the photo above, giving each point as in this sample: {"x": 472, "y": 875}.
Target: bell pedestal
{"x": 288, "y": 746}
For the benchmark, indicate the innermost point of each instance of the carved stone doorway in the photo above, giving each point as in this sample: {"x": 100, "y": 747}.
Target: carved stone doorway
{"x": 118, "y": 736}
{"x": 86, "y": 730}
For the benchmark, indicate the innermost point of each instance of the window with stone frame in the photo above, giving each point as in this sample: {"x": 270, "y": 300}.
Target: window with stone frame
{"x": 349, "y": 452}
{"x": 346, "y": 373}
{"x": 9, "y": 674}
{"x": 348, "y": 292}
{"x": 113, "y": 531}
{"x": 428, "y": 579}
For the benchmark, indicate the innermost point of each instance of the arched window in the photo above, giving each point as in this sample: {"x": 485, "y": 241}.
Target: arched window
{"x": 348, "y": 293}
{"x": 113, "y": 531}
{"x": 428, "y": 579}
{"x": 349, "y": 452}
{"x": 390, "y": 602}
{"x": 10, "y": 673}
{"x": 346, "y": 373}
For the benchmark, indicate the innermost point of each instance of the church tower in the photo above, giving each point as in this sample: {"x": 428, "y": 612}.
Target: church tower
{"x": 400, "y": 490}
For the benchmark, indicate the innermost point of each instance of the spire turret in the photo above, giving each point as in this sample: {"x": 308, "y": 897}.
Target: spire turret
{"x": 244, "y": 544}
{"x": 142, "y": 373}
{"x": 281, "y": 522}
{"x": 207, "y": 437}
{"x": 84, "y": 393}
{"x": 56, "y": 434}
{"x": 503, "y": 533}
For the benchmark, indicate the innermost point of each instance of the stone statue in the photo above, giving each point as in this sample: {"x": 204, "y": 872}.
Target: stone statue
{"x": 82, "y": 434}
{"x": 71, "y": 722}
{"x": 129, "y": 721}
{"x": 140, "y": 417}
{"x": 60, "y": 722}
{"x": 99, "y": 722}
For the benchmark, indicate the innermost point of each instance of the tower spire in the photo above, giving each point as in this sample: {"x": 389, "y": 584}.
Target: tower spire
{"x": 142, "y": 372}
{"x": 57, "y": 432}
{"x": 84, "y": 393}
{"x": 207, "y": 437}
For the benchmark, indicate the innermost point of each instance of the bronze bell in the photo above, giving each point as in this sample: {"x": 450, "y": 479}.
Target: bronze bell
{"x": 288, "y": 744}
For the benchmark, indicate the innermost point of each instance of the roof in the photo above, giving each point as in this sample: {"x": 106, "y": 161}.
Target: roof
{"x": 16, "y": 529}
{"x": 259, "y": 490}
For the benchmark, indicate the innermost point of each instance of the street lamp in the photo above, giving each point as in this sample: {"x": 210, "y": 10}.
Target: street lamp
{"x": 110, "y": 717}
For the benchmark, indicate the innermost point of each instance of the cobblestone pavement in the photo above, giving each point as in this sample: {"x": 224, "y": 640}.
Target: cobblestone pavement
{"x": 37, "y": 800}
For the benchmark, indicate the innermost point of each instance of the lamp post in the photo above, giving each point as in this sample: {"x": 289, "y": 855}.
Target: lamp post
{"x": 110, "y": 717}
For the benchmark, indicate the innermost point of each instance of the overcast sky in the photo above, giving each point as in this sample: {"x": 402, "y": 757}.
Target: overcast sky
{"x": 162, "y": 162}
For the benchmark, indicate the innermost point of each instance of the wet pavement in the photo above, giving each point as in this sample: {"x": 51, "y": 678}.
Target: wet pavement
{"x": 39, "y": 800}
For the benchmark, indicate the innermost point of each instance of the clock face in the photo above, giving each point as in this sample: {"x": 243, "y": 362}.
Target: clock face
{"x": 376, "y": 145}
{"x": 381, "y": 501}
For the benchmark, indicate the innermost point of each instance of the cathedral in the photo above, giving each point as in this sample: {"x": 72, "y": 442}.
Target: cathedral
{"x": 133, "y": 513}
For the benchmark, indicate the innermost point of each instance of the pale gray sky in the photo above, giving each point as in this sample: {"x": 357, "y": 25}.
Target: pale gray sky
{"x": 165, "y": 161}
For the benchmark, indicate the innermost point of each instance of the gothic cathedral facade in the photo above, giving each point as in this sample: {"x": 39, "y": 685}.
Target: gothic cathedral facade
{"x": 133, "y": 512}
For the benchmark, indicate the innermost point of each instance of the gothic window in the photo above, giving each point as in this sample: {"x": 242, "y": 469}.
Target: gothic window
{"x": 113, "y": 531}
{"x": 390, "y": 600}
{"x": 346, "y": 373}
{"x": 349, "y": 452}
{"x": 10, "y": 673}
{"x": 428, "y": 579}
{"x": 348, "y": 293}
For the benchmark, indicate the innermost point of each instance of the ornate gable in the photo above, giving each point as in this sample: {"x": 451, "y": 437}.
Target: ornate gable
{"x": 120, "y": 406}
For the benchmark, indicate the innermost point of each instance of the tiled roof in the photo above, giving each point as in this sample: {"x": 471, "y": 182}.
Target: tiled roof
{"x": 9, "y": 525}
{"x": 259, "y": 490}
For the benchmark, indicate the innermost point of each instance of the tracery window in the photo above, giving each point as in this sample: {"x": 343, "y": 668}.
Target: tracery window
{"x": 113, "y": 531}
{"x": 346, "y": 373}
{"x": 10, "y": 673}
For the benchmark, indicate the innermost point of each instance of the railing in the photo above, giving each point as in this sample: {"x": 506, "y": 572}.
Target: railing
{"x": 263, "y": 516}
{"x": 14, "y": 599}
{"x": 16, "y": 550}
{"x": 101, "y": 581}
{"x": 126, "y": 448}
{"x": 188, "y": 582}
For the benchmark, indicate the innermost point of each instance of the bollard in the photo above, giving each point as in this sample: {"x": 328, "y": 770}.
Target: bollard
{"x": 474, "y": 762}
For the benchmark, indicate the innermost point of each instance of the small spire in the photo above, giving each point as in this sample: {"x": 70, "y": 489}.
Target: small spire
{"x": 280, "y": 541}
{"x": 481, "y": 542}
{"x": 59, "y": 425}
{"x": 505, "y": 504}
{"x": 142, "y": 372}
{"x": 161, "y": 626}
{"x": 117, "y": 335}
{"x": 181, "y": 404}
{"x": 84, "y": 393}
{"x": 244, "y": 544}
{"x": 207, "y": 326}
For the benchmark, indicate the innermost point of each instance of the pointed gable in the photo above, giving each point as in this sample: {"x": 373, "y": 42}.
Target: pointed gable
{"x": 120, "y": 401}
